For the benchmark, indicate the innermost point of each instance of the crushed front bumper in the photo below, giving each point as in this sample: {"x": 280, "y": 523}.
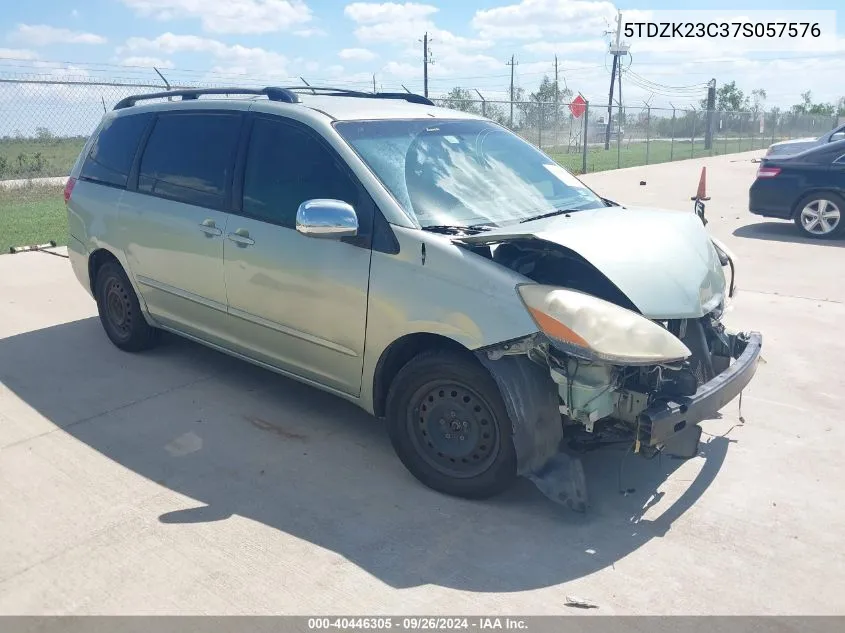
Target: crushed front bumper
{"x": 666, "y": 419}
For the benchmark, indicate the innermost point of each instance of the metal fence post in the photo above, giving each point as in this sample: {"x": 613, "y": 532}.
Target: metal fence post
{"x": 584, "y": 139}
{"x": 619, "y": 142}
{"x": 672, "y": 141}
{"x": 741, "y": 121}
{"x": 692, "y": 138}
{"x": 540, "y": 125}
{"x": 774, "y": 126}
{"x": 647, "y": 132}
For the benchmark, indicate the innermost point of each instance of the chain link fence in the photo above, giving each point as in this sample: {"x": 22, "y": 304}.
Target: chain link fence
{"x": 641, "y": 135}
{"x": 44, "y": 122}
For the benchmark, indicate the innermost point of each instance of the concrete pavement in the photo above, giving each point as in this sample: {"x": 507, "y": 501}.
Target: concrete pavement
{"x": 183, "y": 481}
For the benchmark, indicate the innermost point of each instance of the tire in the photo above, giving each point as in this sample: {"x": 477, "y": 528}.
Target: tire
{"x": 821, "y": 215}
{"x": 449, "y": 426}
{"x": 120, "y": 312}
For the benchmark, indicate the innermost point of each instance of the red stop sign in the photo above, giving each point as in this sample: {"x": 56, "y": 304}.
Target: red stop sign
{"x": 578, "y": 106}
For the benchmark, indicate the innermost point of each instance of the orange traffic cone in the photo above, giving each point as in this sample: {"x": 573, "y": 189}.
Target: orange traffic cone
{"x": 701, "y": 194}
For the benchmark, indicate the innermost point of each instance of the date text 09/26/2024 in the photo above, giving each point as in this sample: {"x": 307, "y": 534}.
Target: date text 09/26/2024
{"x": 416, "y": 623}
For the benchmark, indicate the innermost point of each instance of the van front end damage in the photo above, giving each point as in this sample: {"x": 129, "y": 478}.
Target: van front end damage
{"x": 561, "y": 404}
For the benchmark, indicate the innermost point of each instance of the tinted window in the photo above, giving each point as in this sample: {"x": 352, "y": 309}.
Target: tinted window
{"x": 111, "y": 156}
{"x": 190, "y": 158}
{"x": 287, "y": 166}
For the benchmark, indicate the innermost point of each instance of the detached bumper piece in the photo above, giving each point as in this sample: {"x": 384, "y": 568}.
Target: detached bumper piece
{"x": 673, "y": 422}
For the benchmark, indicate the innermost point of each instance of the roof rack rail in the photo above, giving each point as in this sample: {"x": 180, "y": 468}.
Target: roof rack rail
{"x": 273, "y": 93}
{"x": 344, "y": 92}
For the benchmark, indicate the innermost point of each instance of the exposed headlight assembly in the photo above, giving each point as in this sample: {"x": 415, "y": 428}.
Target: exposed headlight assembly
{"x": 595, "y": 329}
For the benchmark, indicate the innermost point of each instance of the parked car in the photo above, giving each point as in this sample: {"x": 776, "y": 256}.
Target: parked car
{"x": 807, "y": 188}
{"x": 426, "y": 264}
{"x": 797, "y": 145}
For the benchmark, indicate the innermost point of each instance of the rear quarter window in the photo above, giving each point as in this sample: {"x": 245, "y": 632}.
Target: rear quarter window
{"x": 113, "y": 151}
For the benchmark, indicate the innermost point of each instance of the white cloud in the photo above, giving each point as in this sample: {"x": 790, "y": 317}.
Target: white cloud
{"x": 310, "y": 32}
{"x": 44, "y": 35}
{"x": 17, "y": 53}
{"x": 375, "y": 13}
{"x": 148, "y": 62}
{"x": 357, "y": 54}
{"x": 389, "y": 21}
{"x": 231, "y": 60}
{"x": 401, "y": 70}
{"x": 533, "y": 19}
{"x": 567, "y": 48}
{"x": 229, "y": 16}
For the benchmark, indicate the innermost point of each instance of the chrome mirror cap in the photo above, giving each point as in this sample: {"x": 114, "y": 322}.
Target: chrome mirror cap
{"x": 327, "y": 218}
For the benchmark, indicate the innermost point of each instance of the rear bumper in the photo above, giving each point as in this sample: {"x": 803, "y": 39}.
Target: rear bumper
{"x": 663, "y": 420}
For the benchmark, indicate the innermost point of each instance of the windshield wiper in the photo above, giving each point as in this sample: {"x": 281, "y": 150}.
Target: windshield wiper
{"x": 547, "y": 215}
{"x": 454, "y": 229}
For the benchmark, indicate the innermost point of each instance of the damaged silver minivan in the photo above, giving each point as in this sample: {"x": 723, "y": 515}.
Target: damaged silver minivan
{"x": 427, "y": 264}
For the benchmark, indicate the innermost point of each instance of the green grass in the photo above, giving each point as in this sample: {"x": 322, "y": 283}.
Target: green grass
{"x": 32, "y": 215}
{"x": 634, "y": 154}
{"x": 34, "y": 158}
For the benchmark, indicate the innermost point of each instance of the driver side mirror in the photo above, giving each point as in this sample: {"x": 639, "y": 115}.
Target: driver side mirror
{"x": 327, "y": 219}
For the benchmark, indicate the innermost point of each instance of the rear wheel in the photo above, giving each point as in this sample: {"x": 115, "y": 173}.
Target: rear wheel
{"x": 120, "y": 312}
{"x": 449, "y": 426}
{"x": 819, "y": 215}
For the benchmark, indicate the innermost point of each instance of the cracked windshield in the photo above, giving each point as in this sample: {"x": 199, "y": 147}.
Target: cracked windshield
{"x": 465, "y": 173}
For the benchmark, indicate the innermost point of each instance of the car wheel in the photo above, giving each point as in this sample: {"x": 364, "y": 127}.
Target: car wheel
{"x": 820, "y": 215}
{"x": 449, "y": 426}
{"x": 120, "y": 312}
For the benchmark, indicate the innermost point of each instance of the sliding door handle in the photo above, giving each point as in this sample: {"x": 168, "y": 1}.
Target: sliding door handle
{"x": 209, "y": 227}
{"x": 241, "y": 238}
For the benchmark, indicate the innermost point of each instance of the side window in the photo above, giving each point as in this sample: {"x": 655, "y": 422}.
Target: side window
{"x": 112, "y": 153}
{"x": 190, "y": 158}
{"x": 838, "y": 135}
{"x": 285, "y": 167}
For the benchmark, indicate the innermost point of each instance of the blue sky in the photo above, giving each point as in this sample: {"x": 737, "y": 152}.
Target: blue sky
{"x": 345, "y": 43}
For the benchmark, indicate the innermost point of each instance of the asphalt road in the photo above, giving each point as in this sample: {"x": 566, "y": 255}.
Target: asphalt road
{"x": 183, "y": 481}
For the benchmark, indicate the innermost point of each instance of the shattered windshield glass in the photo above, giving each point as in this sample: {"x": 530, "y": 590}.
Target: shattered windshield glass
{"x": 464, "y": 172}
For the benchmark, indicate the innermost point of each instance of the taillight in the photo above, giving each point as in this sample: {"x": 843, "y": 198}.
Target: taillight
{"x": 767, "y": 172}
{"x": 69, "y": 188}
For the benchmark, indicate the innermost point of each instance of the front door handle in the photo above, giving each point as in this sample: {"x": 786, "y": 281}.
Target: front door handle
{"x": 209, "y": 227}
{"x": 241, "y": 238}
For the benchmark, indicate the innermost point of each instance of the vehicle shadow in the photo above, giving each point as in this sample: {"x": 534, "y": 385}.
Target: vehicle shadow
{"x": 782, "y": 232}
{"x": 243, "y": 441}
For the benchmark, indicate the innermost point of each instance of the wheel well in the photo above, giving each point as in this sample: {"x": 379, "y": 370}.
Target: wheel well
{"x": 801, "y": 201}
{"x": 398, "y": 354}
{"x": 95, "y": 262}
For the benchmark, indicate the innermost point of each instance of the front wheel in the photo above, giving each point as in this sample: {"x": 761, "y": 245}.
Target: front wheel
{"x": 819, "y": 215}
{"x": 449, "y": 426}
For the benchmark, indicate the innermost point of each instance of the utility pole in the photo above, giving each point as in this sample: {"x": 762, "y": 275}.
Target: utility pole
{"x": 619, "y": 115}
{"x": 617, "y": 50}
{"x": 426, "y": 61}
{"x": 374, "y": 83}
{"x": 511, "y": 63}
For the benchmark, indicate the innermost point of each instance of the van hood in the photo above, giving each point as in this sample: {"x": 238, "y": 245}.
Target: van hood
{"x": 663, "y": 261}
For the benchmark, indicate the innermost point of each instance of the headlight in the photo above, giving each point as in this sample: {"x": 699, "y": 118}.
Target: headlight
{"x": 599, "y": 330}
